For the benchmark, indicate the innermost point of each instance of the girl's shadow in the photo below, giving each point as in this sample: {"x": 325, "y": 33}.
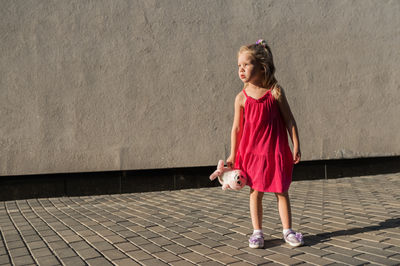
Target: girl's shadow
{"x": 315, "y": 239}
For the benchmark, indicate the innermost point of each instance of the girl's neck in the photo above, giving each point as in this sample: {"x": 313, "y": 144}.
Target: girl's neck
{"x": 255, "y": 86}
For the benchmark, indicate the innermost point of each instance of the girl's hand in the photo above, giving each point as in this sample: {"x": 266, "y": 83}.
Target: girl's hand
{"x": 296, "y": 155}
{"x": 230, "y": 162}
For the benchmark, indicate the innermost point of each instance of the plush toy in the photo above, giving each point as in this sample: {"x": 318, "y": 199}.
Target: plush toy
{"x": 228, "y": 177}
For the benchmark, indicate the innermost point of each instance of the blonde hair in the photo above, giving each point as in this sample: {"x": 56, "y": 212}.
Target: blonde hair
{"x": 262, "y": 54}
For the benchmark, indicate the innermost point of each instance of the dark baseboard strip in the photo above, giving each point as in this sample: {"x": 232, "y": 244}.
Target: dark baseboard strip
{"x": 327, "y": 169}
{"x": 114, "y": 182}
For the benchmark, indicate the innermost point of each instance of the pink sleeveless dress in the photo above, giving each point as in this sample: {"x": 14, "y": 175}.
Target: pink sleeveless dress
{"x": 264, "y": 154}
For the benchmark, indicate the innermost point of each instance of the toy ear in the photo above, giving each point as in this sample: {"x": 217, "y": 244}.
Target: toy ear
{"x": 220, "y": 164}
{"x": 215, "y": 174}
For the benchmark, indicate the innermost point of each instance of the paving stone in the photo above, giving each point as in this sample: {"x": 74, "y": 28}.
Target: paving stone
{"x": 377, "y": 259}
{"x": 160, "y": 241}
{"x": 228, "y": 250}
{"x": 152, "y": 262}
{"x": 3, "y": 250}
{"x": 342, "y": 251}
{"x": 126, "y": 246}
{"x": 138, "y": 241}
{"x": 216, "y": 236}
{"x": 253, "y": 259}
{"x": 261, "y": 252}
{"x": 185, "y": 242}
{"x": 395, "y": 257}
{"x": 98, "y": 261}
{"x": 169, "y": 235}
{"x": 41, "y": 252}
{"x": 88, "y": 253}
{"x": 345, "y": 259}
{"x": 58, "y": 245}
{"x": 222, "y": 258}
{"x": 287, "y": 250}
{"x": 166, "y": 256}
{"x": 313, "y": 259}
{"x": 48, "y": 260}
{"x": 17, "y": 252}
{"x": 395, "y": 249}
{"x": 86, "y": 233}
{"x": 210, "y": 243}
{"x": 280, "y": 258}
{"x": 236, "y": 243}
{"x": 375, "y": 251}
{"x": 114, "y": 239}
{"x": 242, "y": 263}
{"x": 10, "y": 236}
{"x": 203, "y": 250}
{"x": 314, "y": 251}
{"x": 370, "y": 237}
{"x": 395, "y": 242}
{"x": 178, "y": 229}
{"x": 65, "y": 252}
{"x": 125, "y": 262}
{"x": 22, "y": 260}
{"x": 194, "y": 258}
{"x": 343, "y": 244}
{"x": 15, "y": 244}
{"x": 148, "y": 234}
{"x": 72, "y": 238}
{"x": 151, "y": 248}
{"x": 181, "y": 263}
{"x": 371, "y": 244}
{"x": 241, "y": 237}
{"x": 139, "y": 255}
{"x": 93, "y": 239}
{"x": 80, "y": 245}
{"x": 113, "y": 254}
{"x": 4, "y": 259}
{"x": 176, "y": 249}
{"x": 103, "y": 246}
{"x": 200, "y": 230}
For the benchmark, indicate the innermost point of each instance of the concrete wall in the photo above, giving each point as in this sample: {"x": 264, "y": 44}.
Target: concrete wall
{"x": 109, "y": 85}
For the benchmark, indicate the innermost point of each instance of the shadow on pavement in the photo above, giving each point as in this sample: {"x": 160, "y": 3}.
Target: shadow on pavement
{"x": 311, "y": 240}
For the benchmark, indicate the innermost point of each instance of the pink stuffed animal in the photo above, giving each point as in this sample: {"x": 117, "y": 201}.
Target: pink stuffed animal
{"x": 228, "y": 177}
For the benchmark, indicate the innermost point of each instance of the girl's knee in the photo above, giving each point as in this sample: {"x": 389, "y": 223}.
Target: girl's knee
{"x": 283, "y": 194}
{"x": 256, "y": 194}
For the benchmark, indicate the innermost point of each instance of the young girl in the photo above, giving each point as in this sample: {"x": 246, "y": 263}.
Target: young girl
{"x": 259, "y": 141}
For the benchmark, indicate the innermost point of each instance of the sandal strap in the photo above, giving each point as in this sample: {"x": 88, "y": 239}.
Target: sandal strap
{"x": 256, "y": 236}
{"x": 289, "y": 232}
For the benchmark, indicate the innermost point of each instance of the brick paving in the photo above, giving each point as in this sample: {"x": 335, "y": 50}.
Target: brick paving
{"x": 353, "y": 221}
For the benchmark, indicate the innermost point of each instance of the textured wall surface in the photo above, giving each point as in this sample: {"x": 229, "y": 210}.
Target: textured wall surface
{"x": 110, "y": 85}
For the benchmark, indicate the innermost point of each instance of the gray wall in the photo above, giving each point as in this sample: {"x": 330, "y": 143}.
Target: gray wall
{"x": 110, "y": 85}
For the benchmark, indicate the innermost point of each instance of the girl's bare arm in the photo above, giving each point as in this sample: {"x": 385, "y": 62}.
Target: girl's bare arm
{"x": 290, "y": 125}
{"x": 236, "y": 133}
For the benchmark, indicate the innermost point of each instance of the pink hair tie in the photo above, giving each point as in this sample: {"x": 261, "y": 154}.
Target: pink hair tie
{"x": 262, "y": 42}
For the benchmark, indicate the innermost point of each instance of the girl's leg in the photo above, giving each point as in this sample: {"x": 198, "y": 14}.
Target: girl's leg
{"x": 290, "y": 236}
{"x": 256, "y": 208}
{"x": 284, "y": 209}
{"x": 257, "y": 238}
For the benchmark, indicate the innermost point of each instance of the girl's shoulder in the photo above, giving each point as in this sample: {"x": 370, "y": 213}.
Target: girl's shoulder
{"x": 240, "y": 99}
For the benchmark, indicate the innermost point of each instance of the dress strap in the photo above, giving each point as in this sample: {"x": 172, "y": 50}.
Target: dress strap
{"x": 245, "y": 94}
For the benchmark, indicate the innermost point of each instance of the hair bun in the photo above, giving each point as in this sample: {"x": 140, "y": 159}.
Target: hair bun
{"x": 262, "y": 42}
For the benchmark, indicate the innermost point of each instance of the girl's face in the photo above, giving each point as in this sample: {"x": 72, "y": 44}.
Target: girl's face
{"x": 249, "y": 70}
